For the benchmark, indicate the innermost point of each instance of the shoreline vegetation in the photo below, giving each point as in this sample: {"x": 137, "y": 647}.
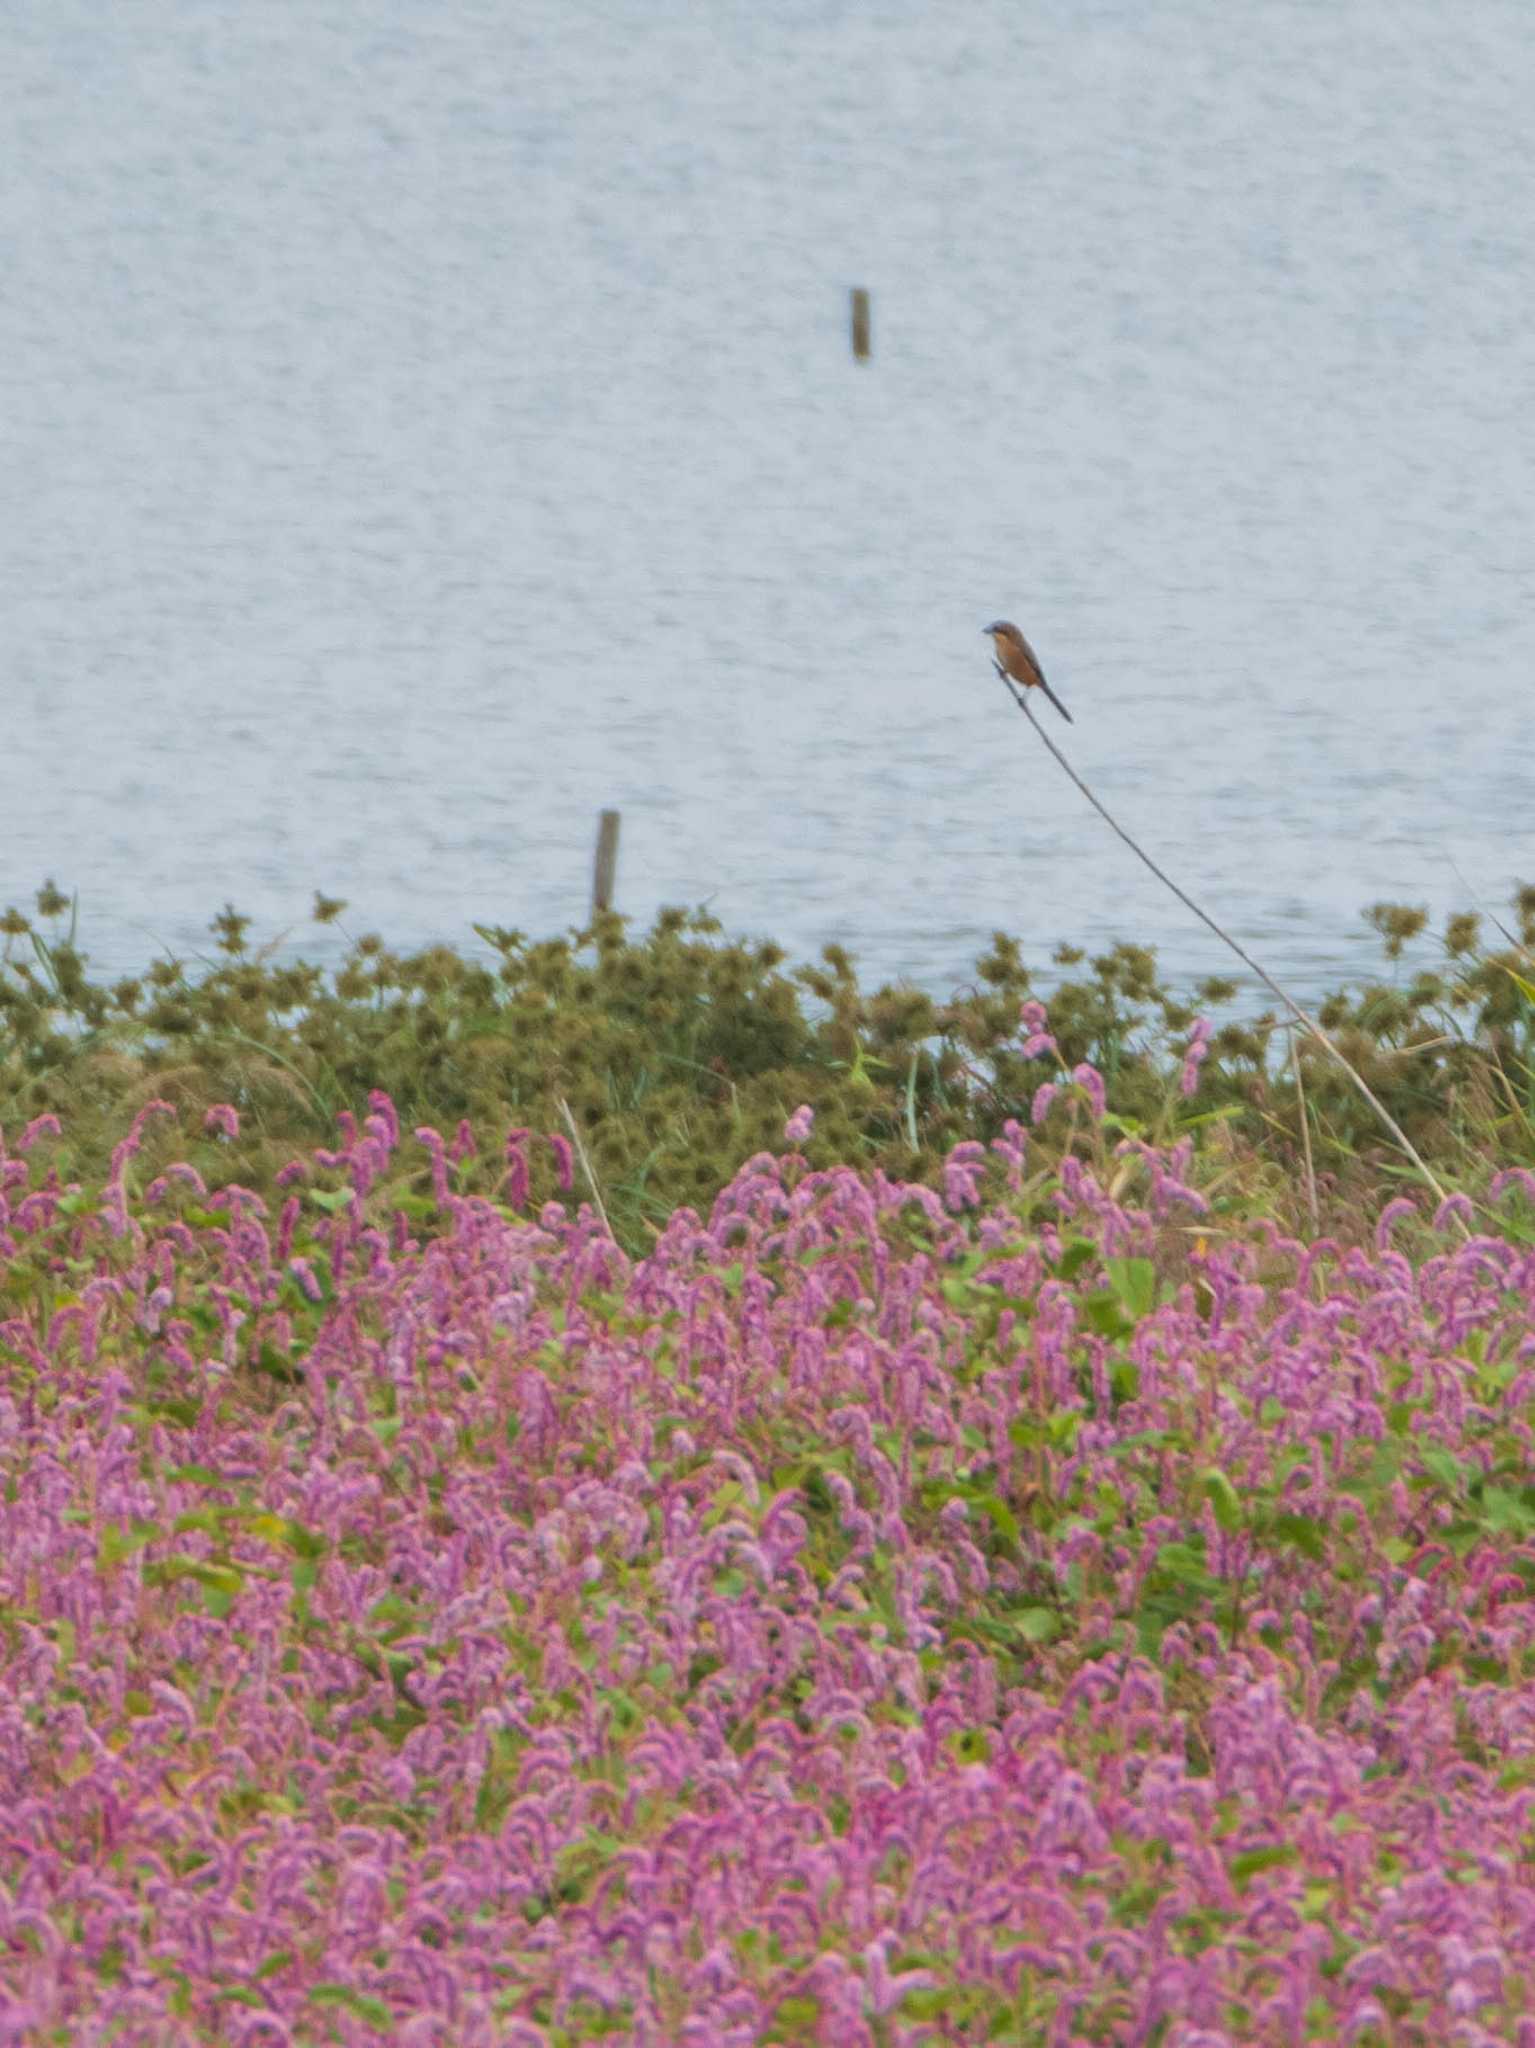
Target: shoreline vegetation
{"x": 644, "y": 1493}
{"x": 676, "y": 1053}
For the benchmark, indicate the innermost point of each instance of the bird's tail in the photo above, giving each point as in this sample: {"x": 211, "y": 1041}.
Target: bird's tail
{"x": 1056, "y": 702}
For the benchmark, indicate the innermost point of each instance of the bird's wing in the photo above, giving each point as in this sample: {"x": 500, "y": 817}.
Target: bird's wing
{"x": 1033, "y": 659}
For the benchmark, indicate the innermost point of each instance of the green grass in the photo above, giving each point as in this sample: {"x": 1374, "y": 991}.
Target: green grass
{"x": 680, "y": 1052}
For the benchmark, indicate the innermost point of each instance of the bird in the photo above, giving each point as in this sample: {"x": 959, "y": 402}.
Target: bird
{"x": 1016, "y": 658}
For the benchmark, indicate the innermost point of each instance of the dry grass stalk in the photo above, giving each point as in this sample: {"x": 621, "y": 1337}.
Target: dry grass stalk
{"x": 1301, "y": 1016}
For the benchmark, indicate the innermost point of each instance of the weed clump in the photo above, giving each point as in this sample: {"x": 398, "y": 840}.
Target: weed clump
{"x": 678, "y": 1051}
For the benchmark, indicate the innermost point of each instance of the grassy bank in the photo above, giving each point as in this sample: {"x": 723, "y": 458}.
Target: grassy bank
{"x": 1028, "y": 1606}
{"x": 677, "y": 1053}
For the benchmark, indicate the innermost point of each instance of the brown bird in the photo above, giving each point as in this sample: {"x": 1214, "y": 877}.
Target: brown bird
{"x": 1016, "y": 658}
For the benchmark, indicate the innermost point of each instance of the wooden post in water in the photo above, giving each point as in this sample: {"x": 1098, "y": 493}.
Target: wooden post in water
{"x": 861, "y": 324}
{"x": 605, "y": 873}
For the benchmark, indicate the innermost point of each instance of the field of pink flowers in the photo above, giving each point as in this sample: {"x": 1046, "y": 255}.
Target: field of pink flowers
{"x": 1039, "y": 1612}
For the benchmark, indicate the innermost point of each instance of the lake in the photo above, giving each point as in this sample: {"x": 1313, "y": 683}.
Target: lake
{"x": 423, "y": 427}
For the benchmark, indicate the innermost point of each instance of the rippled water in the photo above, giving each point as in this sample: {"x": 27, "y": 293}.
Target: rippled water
{"x": 424, "y": 426}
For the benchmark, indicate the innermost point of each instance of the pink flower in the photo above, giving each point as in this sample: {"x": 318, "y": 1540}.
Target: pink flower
{"x": 429, "y": 1136}
{"x": 304, "y": 1273}
{"x": 1090, "y": 1081}
{"x": 564, "y": 1161}
{"x": 962, "y": 1173}
{"x": 222, "y": 1120}
{"x": 1037, "y": 1038}
{"x": 1194, "y": 1056}
{"x": 800, "y": 1125}
{"x": 384, "y": 1109}
{"x": 518, "y": 1178}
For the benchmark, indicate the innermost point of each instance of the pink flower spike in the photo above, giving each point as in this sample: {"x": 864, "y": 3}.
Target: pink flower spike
{"x": 222, "y": 1120}
{"x": 797, "y": 1130}
{"x": 564, "y": 1161}
{"x": 962, "y": 1174}
{"x": 1037, "y": 1036}
{"x": 1456, "y": 1207}
{"x": 304, "y": 1273}
{"x": 382, "y": 1106}
{"x": 1090, "y": 1081}
{"x": 1043, "y": 1097}
{"x": 1389, "y": 1217}
{"x": 517, "y": 1180}
{"x": 1194, "y": 1055}
{"x": 431, "y": 1138}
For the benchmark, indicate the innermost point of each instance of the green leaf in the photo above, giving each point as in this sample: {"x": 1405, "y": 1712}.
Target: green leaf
{"x": 220, "y": 1578}
{"x": 1065, "y": 1427}
{"x": 1250, "y": 1861}
{"x": 1138, "y": 1439}
{"x": 999, "y": 1514}
{"x": 1135, "y": 1282}
{"x": 307, "y": 1543}
{"x": 115, "y": 1544}
{"x": 1124, "y": 1379}
{"x": 1185, "y": 1562}
{"x": 211, "y": 1521}
{"x": 1441, "y": 1464}
{"x": 373, "y": 2010}
{"x": 1105, "y": 1315}
{"x": 1074, "y": 1256}
{"x": 794, "y": 2019}
{"x": 1211, "y": 1116}
{"x": 1222, "y": 1496}
{"x": 1300, "y": 1532}
{"x": 1506, "y": 1512}
{"x": 1037, "y": 1624}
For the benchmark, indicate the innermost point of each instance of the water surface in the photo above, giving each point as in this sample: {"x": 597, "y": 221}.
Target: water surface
{"x": 423, "y": 427}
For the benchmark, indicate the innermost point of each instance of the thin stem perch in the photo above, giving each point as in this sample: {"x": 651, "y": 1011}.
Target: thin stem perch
{"x": 1301, "y": 1016}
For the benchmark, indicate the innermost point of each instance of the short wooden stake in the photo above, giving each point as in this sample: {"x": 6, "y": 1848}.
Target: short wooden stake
{"x": 861, "y": 324}
{"x": 605, "y": 873}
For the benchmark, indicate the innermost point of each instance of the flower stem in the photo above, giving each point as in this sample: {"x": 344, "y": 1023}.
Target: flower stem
{"x": 1302, "y": 1016}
